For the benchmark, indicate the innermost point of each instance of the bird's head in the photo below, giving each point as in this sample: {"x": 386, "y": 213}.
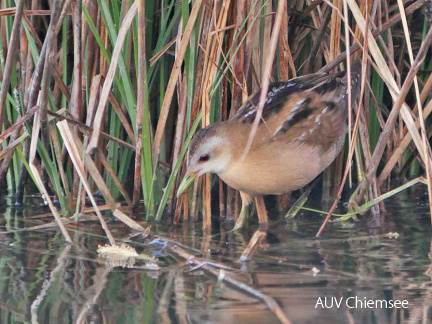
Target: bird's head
{"x": 209, "y": 151}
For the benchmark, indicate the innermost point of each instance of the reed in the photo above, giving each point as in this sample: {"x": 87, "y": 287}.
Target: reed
{"x": 109, "y": 94}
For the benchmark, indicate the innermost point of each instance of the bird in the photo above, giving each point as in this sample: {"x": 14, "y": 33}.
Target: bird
{"x": 301, "y": 131}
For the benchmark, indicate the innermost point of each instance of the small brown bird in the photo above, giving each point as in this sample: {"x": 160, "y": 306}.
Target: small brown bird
{"x": 301, "y": 131}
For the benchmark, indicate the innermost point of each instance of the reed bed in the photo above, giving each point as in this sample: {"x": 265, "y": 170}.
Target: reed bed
{"x": 106, "y": 95}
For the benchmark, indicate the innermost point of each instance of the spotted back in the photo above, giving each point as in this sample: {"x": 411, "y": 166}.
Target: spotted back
{"x": 311, "y": 109}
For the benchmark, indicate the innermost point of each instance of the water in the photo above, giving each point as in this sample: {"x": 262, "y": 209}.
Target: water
{"x": 44, "y": 280}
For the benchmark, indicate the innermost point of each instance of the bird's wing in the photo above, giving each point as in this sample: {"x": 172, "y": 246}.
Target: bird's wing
{"x": 310, "y": 109}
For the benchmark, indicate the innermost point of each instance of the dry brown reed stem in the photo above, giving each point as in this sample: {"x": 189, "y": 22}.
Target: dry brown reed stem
{"x": 252, "y": 49}
{"x": 106, "y": 89}
{"x": 180, "y": 127}
{"x": 266, "y": 33}
{"x": 335, "y": 28}
{"x": 200, "y": 65}
{"x": 284, "y": 49}
{"x": 176, "y": 69}
{"x": 6, "y": 153}
{"x": 33, "y": 32}
{"x": 354, "y": 48}
{"x": 92, "y": 103}
{"x": 309, "y": 9}
{"x": 213, "y": 51}
{"x": 318, "y": 41}
{"x": 6, "y": 77}
{"x": 141, "y": 82}
{"x": 76, "y": 104}
{"x": 10, "y": 60}
{"x": 12, "y": 12}
{"x": 20, "y": 121}
{"x": 347, "y": 42}
{"x": 238, "y": 71}
{"x": 363, "y": 124}
{"x": 27, "y": 67}
{"x": 45, "y": 83}
{"x": 238, "y": 92}
{"x": 26, "y": 74}
{"x": 266, "y": 74}
{"x": 223, "y": 276}
{"x": 122, "y": 117}
{"x": 107, "y": 166}
{"x": 92, "y": 46}
{"x": 159, "y": 54}
{"x": 34, "y": 91}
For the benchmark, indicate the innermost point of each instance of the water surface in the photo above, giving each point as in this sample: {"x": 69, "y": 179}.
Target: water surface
{"x": 44, "y": 280}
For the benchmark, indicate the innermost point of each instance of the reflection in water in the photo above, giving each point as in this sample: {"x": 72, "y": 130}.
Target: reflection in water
{"x": 44, "y": 280}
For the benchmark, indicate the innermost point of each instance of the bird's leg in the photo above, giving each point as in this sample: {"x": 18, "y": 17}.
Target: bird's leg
{"x": 246, "y": 200}
{"x": 261, "y": 210}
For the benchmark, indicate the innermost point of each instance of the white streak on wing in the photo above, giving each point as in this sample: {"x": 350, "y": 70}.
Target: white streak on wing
{"x": 250, "y": 113}
{"x": 291, "y": 115}
{"x": 294, "y": 110}
{"x": 302, "y": 137}
{"x": 277, "y": 130}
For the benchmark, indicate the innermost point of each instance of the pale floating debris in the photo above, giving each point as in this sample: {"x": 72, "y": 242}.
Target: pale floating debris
{"x": 392, "y": 235}
{"x": 117, "y": 250}
{"x": 118, "y": 255}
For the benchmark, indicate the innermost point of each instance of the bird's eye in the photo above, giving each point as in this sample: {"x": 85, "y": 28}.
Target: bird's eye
{"x": 204, "y": 158}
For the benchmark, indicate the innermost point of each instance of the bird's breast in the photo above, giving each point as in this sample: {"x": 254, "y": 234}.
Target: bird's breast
{"x": 277, "y": 168}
